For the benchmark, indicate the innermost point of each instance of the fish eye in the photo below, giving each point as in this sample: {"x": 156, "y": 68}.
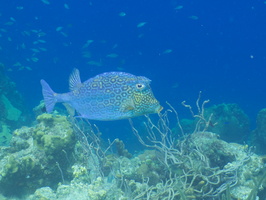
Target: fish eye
{"x": 140, "y": 86}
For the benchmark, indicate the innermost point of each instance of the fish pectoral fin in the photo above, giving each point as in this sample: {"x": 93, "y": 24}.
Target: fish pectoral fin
{"x": 127, "y": 106}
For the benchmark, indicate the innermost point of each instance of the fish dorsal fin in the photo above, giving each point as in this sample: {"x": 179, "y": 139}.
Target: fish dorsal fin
{"x": 74, "y": 80}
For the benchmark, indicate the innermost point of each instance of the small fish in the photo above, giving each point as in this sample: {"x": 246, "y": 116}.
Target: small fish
{"x": 28, "y": 68}
{"x": 115, "y": 45}
{"x": 140, "y": 35}
{"x": 20, "y": 7}
{"x": 87, "y": 43}
{"x": 12, "y": 19}
{"x": 95, "y": 63}
{"x": 141, "y": 24}
{"x": 120, "y": 68}
{"x": 35, "y": 31}
{"x": 194, "y": 17}
{"x": 64, "y": 34}
{"x": 21, "y": 68}
{"x": 66, "y": 6}
{"x": 41, "y": 34}
{"x": 23, "y": 46}
{"x": 35, "y": 50}
{"x": 112, "y": 55}
{"x": 41, "y": 41}
{"x": 17, "y": 64}
{"x": 179, "y": 7}
{"x": 25, "y": 33}
{"x": 122, "y": 14}
{"x": 35, "y": 59}
{"x": 3, "y": 30}
{"x": 167, "y": 51}
{"x": 43, "y": 49}
{"x": 66, "y": 44}
{"x": 9, "y": 23}
{"x": 46, "y": 2}
{"x": 86, "y": 54}
{"x": 108, "y": 96}
{"x": 175, "y": 85}
{"x": 59, "y": 28}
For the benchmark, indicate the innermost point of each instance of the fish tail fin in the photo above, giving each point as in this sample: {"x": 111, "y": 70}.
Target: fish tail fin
{"x": 49, "y": 96}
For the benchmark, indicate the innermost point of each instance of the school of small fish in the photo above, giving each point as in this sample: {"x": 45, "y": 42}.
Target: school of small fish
{"x": 34, "y": 51}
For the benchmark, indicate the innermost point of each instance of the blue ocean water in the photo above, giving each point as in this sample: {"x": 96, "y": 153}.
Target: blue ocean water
{"x": 184, "y": 47}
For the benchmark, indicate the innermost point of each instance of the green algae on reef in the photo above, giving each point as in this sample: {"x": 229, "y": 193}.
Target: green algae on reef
{"x": 45, "y": 161}
{"x": 30, "y": 161}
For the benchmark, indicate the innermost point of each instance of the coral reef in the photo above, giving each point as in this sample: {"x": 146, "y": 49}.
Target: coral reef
{"x": 229, "y": 121}
{"x": 11, "y": 103}
{"x": 121, "y": 150}
{"x": 12, "y": 110}
{"x": 203, "y": 170}
{"x": 259, "y": 134}
{"x": 231, "y": 155}
{"x": 46, "y": 162}
{"x": 200, "y": 165}
{"x": 12, "y": 113}
{"x": 5, "y": 135}
{"x": 98, "y": 190}
{"x": 36, "y": 156}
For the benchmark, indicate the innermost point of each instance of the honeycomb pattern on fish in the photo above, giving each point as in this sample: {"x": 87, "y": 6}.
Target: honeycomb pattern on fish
{"x": 108, "y": 96}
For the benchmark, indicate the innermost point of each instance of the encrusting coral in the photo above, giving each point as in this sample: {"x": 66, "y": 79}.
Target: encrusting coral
{"x": 259, "y": 134}
{"x": 37, "y": 155}
{"x": 13, "y": 113}
{"x": 231, "y": 123}
{"x": 46, "y": 162}
{"x": 227, "y": 120}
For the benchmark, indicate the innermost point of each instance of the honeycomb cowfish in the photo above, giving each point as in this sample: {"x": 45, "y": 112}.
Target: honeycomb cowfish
{"x": 107, "y": 96}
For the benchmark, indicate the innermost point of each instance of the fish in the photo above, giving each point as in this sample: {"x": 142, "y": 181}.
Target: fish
{"x": 86, "y": 54}
{"x": 141, "y": 24}
{"x": 59, "y": 28}
{"x": 9, "y": 23}
{"x": 179, "y": 7}
{"x": 41, "y": 41}
{"x": 19, "y": 7}
{"x": 95, "y": 63}
{"x": 46, "y": 2}
{"x": 112, "y": 55}
{"x": 122, "y": 14}
{"x": 35, "y": 59}
{"x": 167, "y": 51}
{"x": 194, "y": 17}
{"x": 34, "y": 50}
{"x": 105, "y": 97}
{"x": 87, "y": 43}
{"x": 43, "y": 49}
{"x": 66, "y": 6}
